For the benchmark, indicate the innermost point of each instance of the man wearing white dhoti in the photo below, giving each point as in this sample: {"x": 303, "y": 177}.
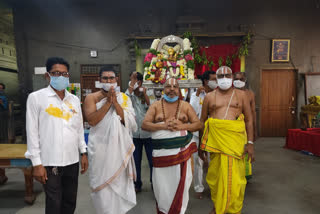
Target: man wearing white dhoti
{"x": 171, "y": 122}
{"x": 110, "y": 148}
{"x": 209, "y": 82}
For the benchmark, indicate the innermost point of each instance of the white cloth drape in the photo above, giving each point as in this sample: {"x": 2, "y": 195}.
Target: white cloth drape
{"x": 165, "y": 180}
{"x": 111, "y": 165}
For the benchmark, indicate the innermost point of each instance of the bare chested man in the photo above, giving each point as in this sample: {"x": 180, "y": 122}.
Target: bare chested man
{"x": 227, "y": 116}
{"x": 239, "y": 82}
{"x": 110, "y": 147}
{"x": 171, "y": 122}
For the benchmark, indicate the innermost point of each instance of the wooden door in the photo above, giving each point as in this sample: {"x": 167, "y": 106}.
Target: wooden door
{"x": 278, "y": 102}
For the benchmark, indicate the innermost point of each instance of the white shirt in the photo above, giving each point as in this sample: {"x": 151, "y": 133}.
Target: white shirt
{"x": 196, "y": 102}
{"x": 54, "y": 127}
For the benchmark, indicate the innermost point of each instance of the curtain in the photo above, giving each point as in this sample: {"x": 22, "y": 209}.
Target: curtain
{"x": 214, "y": 52}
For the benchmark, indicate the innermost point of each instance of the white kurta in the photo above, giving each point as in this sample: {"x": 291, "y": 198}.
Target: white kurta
{"x": 196, "y": 102}
{"x": 111, "y": 164}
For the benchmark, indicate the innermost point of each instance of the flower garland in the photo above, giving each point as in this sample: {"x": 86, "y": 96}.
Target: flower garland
{"x": 180, "y": 69}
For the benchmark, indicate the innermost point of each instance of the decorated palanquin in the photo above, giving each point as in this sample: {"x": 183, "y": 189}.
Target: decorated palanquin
{"x": 169, "y": 57}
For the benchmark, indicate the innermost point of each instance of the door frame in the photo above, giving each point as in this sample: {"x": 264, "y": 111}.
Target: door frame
{"x": 277, "y": 67}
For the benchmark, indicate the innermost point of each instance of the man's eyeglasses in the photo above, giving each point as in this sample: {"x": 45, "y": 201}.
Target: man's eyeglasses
{"x": 108, "y": 78}
{"x": 220, "y": 76}
{"x": 58, "y": 74}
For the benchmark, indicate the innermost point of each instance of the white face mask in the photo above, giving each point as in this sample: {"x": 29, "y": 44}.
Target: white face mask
{"x": 136, "y": 85}
{"x": 239, "y": 84}
{"x": 212, "y": 84}
{"x": 107, "y": 86}
{"x": 157, "y": 93}
{"x": 225, "y": 83}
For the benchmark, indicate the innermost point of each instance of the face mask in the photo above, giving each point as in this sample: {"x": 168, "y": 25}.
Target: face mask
{"x": 212, "y": 84}
{"x": 107, "y": 86}
{"x": 136, "y": 85}
{"x": 239, "y": 84}
{"x": 169, "y": 99}
{"x": 59, "y": 83}
{"x": 157, "y": 93}
{"x": 225, "y": 83}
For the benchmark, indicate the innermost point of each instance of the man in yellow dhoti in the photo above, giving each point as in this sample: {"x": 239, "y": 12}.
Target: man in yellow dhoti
{"x": 225, "y": 137}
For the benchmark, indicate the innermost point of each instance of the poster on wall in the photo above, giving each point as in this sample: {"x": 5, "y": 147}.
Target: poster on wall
{"x": 280, "y": 50}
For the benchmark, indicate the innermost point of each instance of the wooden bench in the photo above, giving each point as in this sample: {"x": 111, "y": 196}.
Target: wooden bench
{"x": 12, "y": 156}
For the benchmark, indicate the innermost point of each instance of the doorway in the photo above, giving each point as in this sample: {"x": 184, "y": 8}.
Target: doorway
{"x": 278, "y": 102}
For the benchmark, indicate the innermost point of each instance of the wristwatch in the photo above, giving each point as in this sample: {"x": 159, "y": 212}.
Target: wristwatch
{"x": 250, "y": 142}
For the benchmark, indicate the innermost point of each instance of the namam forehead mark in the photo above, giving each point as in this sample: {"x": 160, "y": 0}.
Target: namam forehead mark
{"x": 171, "y": 82}
{"x": 224, "y": 70}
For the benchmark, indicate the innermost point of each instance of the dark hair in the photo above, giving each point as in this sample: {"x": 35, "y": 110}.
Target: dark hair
{"x": 139, "y": 75}
{"x": 3, "y": 85}
{"x": 56, "y": 60}
{"x": 106, "y": 69}
{"x": 206, "y": 75}
{"x": 242, "y": 73}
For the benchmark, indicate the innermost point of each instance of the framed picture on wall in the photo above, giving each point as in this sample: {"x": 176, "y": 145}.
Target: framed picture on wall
{"x": 280, "y": 50}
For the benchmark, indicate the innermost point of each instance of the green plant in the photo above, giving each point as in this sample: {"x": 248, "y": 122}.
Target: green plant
{"x": 220, "y": 61}
{"x": 195, "y": 47}
{"x": 153, "y": 51}
{"x": 228, "y": 61}
{"x": 137, "y": 48}
{"x": 186, "y": 52}
{"x": 187, "y": 35}
{"x": 204, "y": 58}
{"x": 210, "y": 63}
{"x": 190, "y": 64}
{"x": 243, "y": 49}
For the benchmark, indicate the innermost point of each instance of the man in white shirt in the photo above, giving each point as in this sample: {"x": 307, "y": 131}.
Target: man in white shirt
{"x": 140, "y": 102}
{"x": 55, "y": 137}
{"x": 209, "y": 82}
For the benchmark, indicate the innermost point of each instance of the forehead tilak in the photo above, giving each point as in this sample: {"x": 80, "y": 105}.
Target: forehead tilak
{"x": 224, "y": 70}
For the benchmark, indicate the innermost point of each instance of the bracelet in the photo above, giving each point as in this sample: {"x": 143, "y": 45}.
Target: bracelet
{"x": 250, "y": 142}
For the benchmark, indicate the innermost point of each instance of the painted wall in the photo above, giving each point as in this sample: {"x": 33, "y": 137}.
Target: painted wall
{"x": 71, "y": 28}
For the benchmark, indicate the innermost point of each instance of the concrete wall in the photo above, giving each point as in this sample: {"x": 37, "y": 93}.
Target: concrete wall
{"x": 66, "y": 28}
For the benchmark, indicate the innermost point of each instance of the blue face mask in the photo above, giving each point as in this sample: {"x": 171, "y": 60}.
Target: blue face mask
{"x": 59, "y": 83}
{"x": 169, "y": 99}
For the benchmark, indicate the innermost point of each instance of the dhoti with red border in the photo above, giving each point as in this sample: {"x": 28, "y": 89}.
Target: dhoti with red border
{"x": 172, "y": 174}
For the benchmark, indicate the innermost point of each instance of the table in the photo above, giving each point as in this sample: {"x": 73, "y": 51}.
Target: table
{"x": 308, "y": 140}
{"x": 12, "y": 156}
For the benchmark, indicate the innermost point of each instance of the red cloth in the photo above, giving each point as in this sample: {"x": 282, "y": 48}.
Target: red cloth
{"x": 176, "y": 204}
{"x": 304, "y": 140}
{"x": 215, "y": 52}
